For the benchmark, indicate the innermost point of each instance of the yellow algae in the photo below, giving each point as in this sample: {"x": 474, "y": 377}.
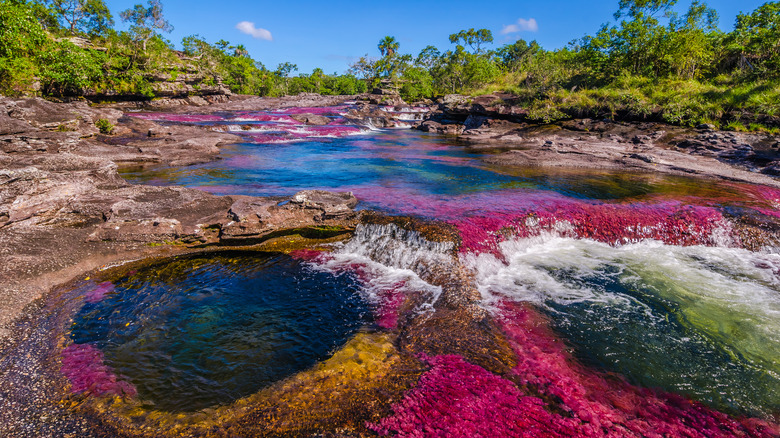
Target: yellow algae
{"x": 357, "y": 384}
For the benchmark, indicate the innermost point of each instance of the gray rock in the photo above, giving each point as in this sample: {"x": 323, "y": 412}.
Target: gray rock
{"x": 311, "y": 119}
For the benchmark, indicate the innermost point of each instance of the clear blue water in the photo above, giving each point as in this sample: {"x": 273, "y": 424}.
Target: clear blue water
{"x": 386, "y": 169}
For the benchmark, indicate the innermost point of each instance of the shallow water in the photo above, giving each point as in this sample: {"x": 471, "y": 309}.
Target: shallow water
{"x": 389, "y": 169}
{"x": 640, "y": 273}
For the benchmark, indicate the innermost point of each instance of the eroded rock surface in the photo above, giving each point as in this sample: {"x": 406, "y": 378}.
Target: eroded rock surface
{"x": 499, "y": 120}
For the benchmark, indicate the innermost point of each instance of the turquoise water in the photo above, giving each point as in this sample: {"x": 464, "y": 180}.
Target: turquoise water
{"x": 385, "y": 169}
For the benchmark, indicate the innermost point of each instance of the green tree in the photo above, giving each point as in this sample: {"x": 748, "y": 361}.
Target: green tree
{"x": 416, "y": 84}
{"x": 513, "y": 56}
{"x": 240, "y": 50}
{"x": 146, "y": 22}
{"x": 390, "y": 65}
{"x": 689, "y": 48}
{"x": 83, "y": 16}
{"x": 636, "y": 47}
{"x": 428, "y": 58}
{"x": 365, "y": 69}
{"x": 473, "y": 38}
{"x": 388, "y": 46}
{"x": 283, "y": 71}
{"x": 643, "y": 8}
{"x": 69, "y": 70}
{"x": 21, "y": 39}
{"x": 756, "y": 38}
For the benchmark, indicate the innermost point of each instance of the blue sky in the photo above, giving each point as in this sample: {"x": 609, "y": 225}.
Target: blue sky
{"x": 332, "y": 34}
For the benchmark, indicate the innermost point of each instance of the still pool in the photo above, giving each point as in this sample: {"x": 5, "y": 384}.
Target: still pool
{"x": 202, "y": 331}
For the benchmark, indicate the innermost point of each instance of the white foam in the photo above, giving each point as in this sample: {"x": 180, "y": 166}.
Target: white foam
{"x": 391, "y": 256}
{"x": 726, "y": 293}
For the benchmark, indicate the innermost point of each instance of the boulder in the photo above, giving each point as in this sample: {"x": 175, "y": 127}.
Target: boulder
{"x": 311, "y": 119}
{"x": 333, "y": 205}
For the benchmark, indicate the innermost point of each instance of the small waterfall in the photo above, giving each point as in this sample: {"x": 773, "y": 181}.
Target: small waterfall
{"x": 391, "y": 261}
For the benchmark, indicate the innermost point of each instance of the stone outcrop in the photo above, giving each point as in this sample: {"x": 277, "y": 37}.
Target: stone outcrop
{"x": 311, "y": 119}
{"x": 500, "y": 120}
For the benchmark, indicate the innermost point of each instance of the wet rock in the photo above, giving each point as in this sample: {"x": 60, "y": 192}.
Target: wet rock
{"x": 644, "y": 157}
{"x": 475, "y": 122}
{"x": 311, "y": 119}
{"x": 772, "y": 169}
{"x": 332, "y": 205}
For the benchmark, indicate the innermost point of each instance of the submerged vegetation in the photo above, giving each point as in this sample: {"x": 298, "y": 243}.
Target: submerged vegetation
{"x": 649, "y": 63}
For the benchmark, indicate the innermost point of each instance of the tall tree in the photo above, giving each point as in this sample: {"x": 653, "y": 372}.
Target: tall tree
{"x": 83, "y": 16}
{"x": 757, "y": 38}
{"x": 690, "y": 43}
{"x": 512, "y": 56}
{"x": 646, "y": 8}
{"x": 145, "y": 22}
{"x": 283, "y": 71}
{"x": 388, "y": 46}
{"x": 428, "y": 57}
{"x": 473, "y": 38}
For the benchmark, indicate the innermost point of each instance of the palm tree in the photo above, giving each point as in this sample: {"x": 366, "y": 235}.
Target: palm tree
{"x": 240, "y": 50}
{"x": 388, "y": 46}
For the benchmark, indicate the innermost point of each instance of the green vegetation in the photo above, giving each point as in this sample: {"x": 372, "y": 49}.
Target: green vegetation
{"x": 104, "y": 126}
{"x": 70, "y": 48}
{"x": 650, "y": 63}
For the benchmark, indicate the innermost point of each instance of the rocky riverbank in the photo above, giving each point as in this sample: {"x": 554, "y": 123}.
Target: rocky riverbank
{"x": 493, "y": 120}
{"x": 64, "y": 210}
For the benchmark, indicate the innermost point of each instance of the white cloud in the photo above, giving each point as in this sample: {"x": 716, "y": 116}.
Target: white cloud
{"x": 249, "y": 28}
{"x": 522, "y": 25}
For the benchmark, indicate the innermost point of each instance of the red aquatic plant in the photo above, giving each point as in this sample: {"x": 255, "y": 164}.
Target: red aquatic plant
{"x": 98, "y": 293}
{"x": 670, "y": 222}
{"x": 83, "y": 365}
{"x": 548, "y": 394}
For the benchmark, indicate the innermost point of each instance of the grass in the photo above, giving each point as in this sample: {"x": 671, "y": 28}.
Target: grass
{"x": 727, "y": 102}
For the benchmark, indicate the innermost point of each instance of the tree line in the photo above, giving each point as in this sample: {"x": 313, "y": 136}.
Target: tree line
{"x": 71, "y": 48}
{"x": 648, "y": 61}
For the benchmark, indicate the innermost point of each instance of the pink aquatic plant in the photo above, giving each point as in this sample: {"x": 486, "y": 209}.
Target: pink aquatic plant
{"x": 548, "y": 394}
{"x": 670, "y": 222}
{"x": 458, "y": 399}
{"x": 262, "y": 117}
{"x": 83, "y": 365}
{"x": 97, "y": 294}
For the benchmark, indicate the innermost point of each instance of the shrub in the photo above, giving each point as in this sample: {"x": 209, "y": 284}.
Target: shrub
{"x": 104, "y": 126}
